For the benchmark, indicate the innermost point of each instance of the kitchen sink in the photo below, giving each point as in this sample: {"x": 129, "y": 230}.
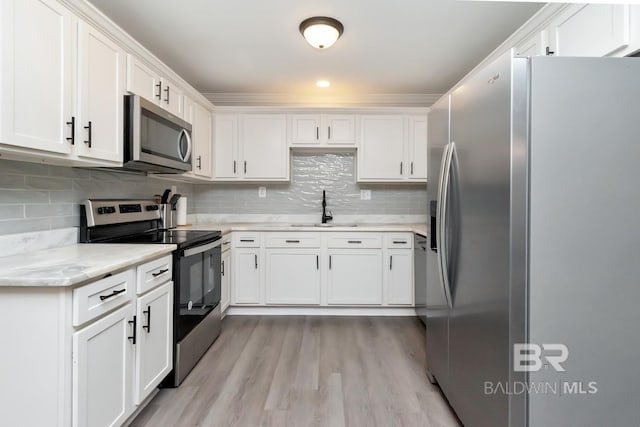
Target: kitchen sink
{"x": 324, "y": 225}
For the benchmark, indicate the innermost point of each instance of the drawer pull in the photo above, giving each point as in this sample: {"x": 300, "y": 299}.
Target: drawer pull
{"x": 292, "y": 241}
{"x": 160, "y": 272}
{"x": 355, "y": 241}
{"x": 226, "y": 243}
{"x": 247, "y": 240}
{"x": 399, "y": 242}
{"x": 113, "y": 294}
{"x": 148, "y": 325}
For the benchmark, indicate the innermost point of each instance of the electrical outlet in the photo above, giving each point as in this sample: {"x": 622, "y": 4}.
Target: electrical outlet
{"x": 262, "y": 192}
{"x": 365, "y": 194}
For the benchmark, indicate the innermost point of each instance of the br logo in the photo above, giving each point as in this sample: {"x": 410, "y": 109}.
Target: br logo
{"x": 531, "y": 357}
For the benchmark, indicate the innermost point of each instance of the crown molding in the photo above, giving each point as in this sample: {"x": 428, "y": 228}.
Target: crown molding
{"x": 293, "y": 100}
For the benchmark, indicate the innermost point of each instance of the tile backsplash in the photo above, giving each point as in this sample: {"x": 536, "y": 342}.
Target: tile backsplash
{"x": 310, "y": 174}
{"x": 37, "y": 197}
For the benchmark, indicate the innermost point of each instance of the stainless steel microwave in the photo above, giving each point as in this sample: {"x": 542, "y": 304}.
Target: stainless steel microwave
{"x": 155, "y": 140}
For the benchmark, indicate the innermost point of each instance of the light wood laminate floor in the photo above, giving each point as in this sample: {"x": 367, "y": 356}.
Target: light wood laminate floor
{"x": 307, "y": 371}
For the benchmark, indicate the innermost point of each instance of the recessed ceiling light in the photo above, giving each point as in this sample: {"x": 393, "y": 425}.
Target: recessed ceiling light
{"x": 323, "y": 83}
{"x": 321, "y": 31}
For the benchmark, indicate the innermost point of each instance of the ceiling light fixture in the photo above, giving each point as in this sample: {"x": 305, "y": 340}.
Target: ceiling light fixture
{"x": 321, "y": 31}
{"x": 323, "y": 83}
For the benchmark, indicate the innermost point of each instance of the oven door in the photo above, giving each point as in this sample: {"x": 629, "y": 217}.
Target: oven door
{"x": 156, "y": 140}
{"x": 198, "y": 285}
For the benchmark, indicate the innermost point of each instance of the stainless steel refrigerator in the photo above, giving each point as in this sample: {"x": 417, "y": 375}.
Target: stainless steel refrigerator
{"x": 533, "y": 270}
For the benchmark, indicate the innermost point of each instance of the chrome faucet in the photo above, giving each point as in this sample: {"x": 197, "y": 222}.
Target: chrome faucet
{"x": 325, "y": 217}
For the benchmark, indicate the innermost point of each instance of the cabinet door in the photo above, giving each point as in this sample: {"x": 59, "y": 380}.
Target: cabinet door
{"x": 225, "y": 155}
{"x": 340, "y": 129}
{"x": 246, "y": 276}
{"x": 355, "y": 277}
{"x": 154, "y": 355}
{"x": 590, "y": 30}
{"x": 202, "y": 128}
{"x": 103, "y": 370}
{"x": 38, "y": 78}
{"x": 535, "y": 45}
{"x": 264, "y": 147}
{"x": 381, "y": 153}
{"x": 225, "y": 271}
{"x": 417, "y": 148}
{"x": 172, "y": 97}
{"x": 142, "y": 80}
{"x": 101, "y": 77}
{"x": 305, "y": 130}
{"x": 399, "y": 277}
{"x": 292, "y": 276}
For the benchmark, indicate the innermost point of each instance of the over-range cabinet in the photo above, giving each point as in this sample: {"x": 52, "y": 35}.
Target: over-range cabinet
{"x": 532, "y": 283}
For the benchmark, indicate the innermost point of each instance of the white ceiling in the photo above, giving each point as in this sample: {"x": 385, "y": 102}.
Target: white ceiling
{"x": 254, "y": 46}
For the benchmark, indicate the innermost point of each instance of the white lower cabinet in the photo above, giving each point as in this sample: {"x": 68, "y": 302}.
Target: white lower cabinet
{"x": 246, "y": 276}
{"x": 399, "y": 276}
{"x": 103, "y": 370}
{"x": 293, "y": 276}
{"x": 354, "y": 277}
{"x": 154, "y": 334}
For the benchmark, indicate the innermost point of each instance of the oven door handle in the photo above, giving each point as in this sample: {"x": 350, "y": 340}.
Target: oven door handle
{"x": 202, "y": 248}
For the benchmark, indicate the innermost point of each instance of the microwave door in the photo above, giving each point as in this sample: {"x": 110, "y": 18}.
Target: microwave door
{"x": 158, "y": 141}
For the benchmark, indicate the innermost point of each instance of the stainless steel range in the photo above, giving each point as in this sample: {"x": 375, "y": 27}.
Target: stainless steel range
{"x": 196, "y": 270}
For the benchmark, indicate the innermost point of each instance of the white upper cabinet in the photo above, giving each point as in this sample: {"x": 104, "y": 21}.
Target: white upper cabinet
{"x": 68, "y": 106}
{"x": 392, "y": 148}
{"x": 321, "y": 130}
{"x": 38, "y": 76}
{"x": 417, "y": 148}
{"x": 101, "y": 77}
{"x": 536, "y": 45}
{"x": 264, "y": 150}
{"x": 382, "y": 148}
{"x": 142, "y": 80}
{"x": 590, "y": 30}
{"x": 225, "y": 147}
{"x": 251, "y": 147}
{"x": 202, "y": 145}
{"x": 151, "y": 85}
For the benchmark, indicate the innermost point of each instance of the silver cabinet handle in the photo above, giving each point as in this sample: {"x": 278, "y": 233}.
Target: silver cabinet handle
{"x": 442, "y": 227}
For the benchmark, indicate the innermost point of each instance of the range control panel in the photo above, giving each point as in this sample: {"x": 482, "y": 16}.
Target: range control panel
{"x": 103, "y": 212}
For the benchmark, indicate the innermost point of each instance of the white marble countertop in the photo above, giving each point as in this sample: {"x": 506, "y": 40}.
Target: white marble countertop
{"x": 271, "y": 226}
{"x": 74, "y": 264}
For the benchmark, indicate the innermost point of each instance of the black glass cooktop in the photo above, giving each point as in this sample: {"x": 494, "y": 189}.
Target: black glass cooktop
{"x": 182, "y": 238}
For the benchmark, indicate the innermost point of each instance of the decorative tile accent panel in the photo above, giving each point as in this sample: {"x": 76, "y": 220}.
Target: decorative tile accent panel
{"x": 37, "y": 197}
{"x": 310, "y": 174}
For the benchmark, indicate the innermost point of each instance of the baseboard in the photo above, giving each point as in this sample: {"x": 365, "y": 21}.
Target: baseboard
{"x": 320, "y": 311}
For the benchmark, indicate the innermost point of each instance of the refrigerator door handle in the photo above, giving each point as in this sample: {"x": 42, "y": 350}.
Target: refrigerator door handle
{"x": 443, "y": 194}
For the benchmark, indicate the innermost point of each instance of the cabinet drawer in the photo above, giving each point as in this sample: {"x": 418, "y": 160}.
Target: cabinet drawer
{"x": 154, "y": 273}
{"x": 246, "y": 239}
{"x": 355, "y": 240}
{"x": 102, "y": 296}
{"x": 398, "y": 240}
{"x": 292, "y": 240}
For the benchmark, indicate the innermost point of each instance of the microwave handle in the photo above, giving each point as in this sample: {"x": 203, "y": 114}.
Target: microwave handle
{"x": 186, "y": 134}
